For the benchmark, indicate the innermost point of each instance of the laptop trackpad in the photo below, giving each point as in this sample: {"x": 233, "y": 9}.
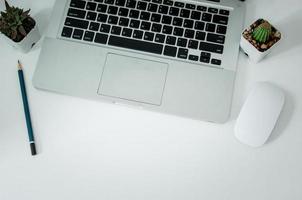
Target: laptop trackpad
{"x": 133, "y": 79}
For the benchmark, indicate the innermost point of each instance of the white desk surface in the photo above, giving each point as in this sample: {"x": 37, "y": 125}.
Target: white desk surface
{"x": 93, "y": 150}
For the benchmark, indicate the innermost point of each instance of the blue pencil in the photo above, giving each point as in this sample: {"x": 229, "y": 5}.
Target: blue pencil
{"x": 26, "y": 110}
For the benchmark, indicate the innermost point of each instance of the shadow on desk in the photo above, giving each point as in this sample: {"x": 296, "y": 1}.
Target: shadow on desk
{"x": 291, "y": 29}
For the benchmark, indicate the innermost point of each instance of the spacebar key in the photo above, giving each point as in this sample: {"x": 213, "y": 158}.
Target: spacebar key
{"x": 135, "y": 44}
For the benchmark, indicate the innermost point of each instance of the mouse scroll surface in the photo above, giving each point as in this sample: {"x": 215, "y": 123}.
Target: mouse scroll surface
{"x": 259, "y": 114}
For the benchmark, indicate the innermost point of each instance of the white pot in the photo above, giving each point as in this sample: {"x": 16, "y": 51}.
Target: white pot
{"x": 254, "y": 54}
{"x": 28, "y": 42}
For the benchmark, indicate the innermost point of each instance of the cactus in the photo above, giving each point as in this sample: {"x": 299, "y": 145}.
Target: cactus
{"x": 15, "y": 23}
{"x": 263, "y": 32}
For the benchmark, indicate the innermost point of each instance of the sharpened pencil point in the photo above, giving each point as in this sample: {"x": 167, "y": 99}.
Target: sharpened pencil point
{"x": 19, "y": 65}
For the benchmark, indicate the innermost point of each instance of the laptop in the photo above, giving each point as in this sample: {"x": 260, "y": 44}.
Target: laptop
{"x": 175, "y": 57}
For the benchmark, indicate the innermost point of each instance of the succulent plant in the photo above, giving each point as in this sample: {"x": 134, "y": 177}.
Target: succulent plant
{"x": 263, "y": 32}
{"x": 15, "y": 23}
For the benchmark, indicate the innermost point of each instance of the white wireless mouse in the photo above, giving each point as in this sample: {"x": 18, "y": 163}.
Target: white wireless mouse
{"x": 259, "y": 114}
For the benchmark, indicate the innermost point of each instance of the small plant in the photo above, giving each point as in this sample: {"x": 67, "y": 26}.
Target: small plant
{"x": 263, "y": 32}
{"x": 15, "y": 23}
{"x": 262, "y": 35}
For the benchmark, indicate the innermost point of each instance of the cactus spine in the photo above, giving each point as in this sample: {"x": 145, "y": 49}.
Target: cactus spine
{"x": 262, "y": 33}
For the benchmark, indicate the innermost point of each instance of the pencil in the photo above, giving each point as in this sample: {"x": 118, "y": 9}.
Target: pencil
{"x": 26, "y": 110}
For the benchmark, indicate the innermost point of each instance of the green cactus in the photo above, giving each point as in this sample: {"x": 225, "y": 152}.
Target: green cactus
{"x": 262, "y": 33}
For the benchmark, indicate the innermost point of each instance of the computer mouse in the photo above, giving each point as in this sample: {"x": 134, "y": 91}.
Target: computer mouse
{"x": 259, "y": 114}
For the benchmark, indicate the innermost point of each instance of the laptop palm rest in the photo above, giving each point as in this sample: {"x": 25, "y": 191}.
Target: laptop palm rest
{"x": 133, "y": 79}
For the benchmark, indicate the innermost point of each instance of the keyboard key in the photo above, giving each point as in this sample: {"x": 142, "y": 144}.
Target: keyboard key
{"x": 189, "y": 33}
{"x": 188, "y": 23}
{"x": 127, "y": 32}
{"x": 193, "y": 57}
{"x": 179, "y": 4}
{"x": 91, "y": 6}
{"x": 112, "y": 19}
{"x": 201, "y": 8}
{"x": 177, "y": 21}
{"x": 224, "y": 12}
{"x": 216, "y": 38}
{"x": 213, "y": 10}
{"x": 134, "y": 14}
{"x": 102, "y": 18}
{"x": 185, "y": 13}
{"x": 145, "y": 25}
{"x": 109, "y": 1}
{"x": 219, "y": 19}
{"x": 145, "y": 16}
{"x": 99, "y": 1}
{"x": 157, "y": 1}
{"x": 215, "y": 62}
{"x": 134, "y": 23}
{"x": 112, "y": 10}
{"x": 77, "y": 4}
{"x": 190, "y": 6}
{"x": 76, "y": 23}
{"x": 178, "y": 31}
{"x": 94, "y": 26}
{"x": 77, "y": 34}
{"x": 221, "y": 29}
{"x": 199, "y": 25}
{"x": 88, "y": 36}
{"x": 193, "y": 44}
{"x": 215, "y": 48}
{"x": 141, "y": 5}
{"x": 138, "y": 34}
{"x": 91, "y": 16}
{"x": 205, "y": 57}
{"x": 171, "y": 40}
{"x": 166, "y": 19}
{"x": 123, "y": 12}
{"x": 76, "y": 13}
{"x": 195, "y": 15}
{"x": 123, "y": 21}
{"x": 200, "y": 35}
{"x": 149, "y": 36}
{"x": 181, "y": 42}
{"x": 150, "y": 47}
{"x": 155, "y": 17}
{"x": 105, "y": 28}
{"x": 167, "y": 29}
{"x": 152, "y": 7}
{"x": 174, "y": 11}
{"x": 120, "y": 2}
{"x": 131, "y": 3}
{"x": 182, "y": 53}
{"x": 170, "y": 51}
{"x": 210, "y": 27}
{"x": 116, "y": 30}
{"x": 206, "y": 17}
{"x": 163, "y": 9}
{"x": 66, "y": 32}
{"x": 102, "y": 8}
{"x": 168, "y": 2}
{"x": 156, "y": 27}
{"x": 101, "y": 38}
{"x": 160, "y": 38}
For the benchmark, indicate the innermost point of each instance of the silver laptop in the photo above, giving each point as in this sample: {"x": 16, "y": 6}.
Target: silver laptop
{"x": 175, "y": 57}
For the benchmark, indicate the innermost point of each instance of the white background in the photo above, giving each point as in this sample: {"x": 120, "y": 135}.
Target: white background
{"x": 93, "y": 150}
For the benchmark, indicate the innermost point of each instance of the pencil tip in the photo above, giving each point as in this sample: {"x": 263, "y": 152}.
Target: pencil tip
{"x": 19, "y": 65}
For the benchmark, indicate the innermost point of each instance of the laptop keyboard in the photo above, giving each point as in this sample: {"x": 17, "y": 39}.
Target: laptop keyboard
{"x": 179, "y": 30}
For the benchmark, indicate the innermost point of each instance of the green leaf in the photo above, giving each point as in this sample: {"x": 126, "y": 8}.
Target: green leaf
{"x": 7, "y": 6}
{"x": 22, "y": 30}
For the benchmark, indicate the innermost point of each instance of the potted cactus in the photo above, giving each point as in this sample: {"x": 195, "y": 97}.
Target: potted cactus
{"x": 259, "y": 39}
{"x": 18, "y": 28}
